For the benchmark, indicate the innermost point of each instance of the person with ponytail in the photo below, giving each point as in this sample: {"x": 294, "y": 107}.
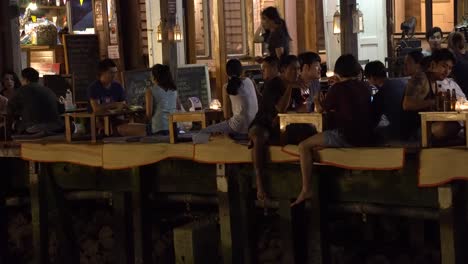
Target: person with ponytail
{"x": 243, "y": 97}
{"x": 160, "y": 100}
{"x": 275, "y": 33}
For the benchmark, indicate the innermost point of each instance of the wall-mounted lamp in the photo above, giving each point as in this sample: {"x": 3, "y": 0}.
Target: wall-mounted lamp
{"x": 358, "y": 20}
{"x": 336, "y": 21}
{"x": 177, "y": 32}
{"x": 159, "y": 31}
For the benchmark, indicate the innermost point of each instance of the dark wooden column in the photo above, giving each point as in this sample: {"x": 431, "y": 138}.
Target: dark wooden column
{"x": 131, "y": 35}
{"x": 9, "y": 37}
{"x": 428, "y": 15}
{"x": 348, "y": 38}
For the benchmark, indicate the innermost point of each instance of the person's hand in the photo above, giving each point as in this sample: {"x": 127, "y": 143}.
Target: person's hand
{"x": 259, "y": 60}
{"x": 333, "y": 80}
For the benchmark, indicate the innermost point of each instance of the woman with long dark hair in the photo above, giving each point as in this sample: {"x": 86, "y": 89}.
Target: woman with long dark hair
{"x": 276, "y": 34}
{"x": 161, "y": 101}
{"x": 10, "y": 83}
{"x": 244, "y": 106}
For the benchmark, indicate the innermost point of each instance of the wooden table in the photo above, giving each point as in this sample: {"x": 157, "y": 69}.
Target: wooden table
{"x": 207, "y": 116}
{"x": 92, "y": 117}
{"x": 198, "y": 116}
{"x": 315, "y": 119}
{"x": 428, "y": 117}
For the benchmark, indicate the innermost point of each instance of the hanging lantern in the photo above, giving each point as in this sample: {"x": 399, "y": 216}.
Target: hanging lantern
{"x": 177, "y": 32}
{"x": 336, "y": 21}
{"x": 159, "y": 32}
{"x": 358, "y": 20}
{"x": 81, "y": 2}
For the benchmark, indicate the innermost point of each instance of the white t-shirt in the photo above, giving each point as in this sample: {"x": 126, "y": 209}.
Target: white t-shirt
{"x": 450, "y": 84}
{"x": 244, "y": 107}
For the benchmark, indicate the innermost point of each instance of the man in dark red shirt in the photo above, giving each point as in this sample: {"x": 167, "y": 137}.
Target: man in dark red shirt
{"x": 349, "y": 113}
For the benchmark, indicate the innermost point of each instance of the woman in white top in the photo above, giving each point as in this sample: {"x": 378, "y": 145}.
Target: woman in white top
{"x": 244, "y": 105}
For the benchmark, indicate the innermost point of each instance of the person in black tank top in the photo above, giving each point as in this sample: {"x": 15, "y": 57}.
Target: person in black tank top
{"x": 420, "y": 95}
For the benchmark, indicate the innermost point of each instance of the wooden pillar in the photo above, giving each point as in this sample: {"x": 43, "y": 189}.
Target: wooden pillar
{"x": 390, "y": 27}
{"x": 428, "y": 15}
{"x": 190, "y": 40}
{"x": 310, "y": 15}
{"x": 250, "y": 28}
{"x": 131, "y": 38}
{"x": 219, "y": 48}
{"x": 141, "y": 218}
{"x": 452, "y": 214}
{"x": 348, "y": 38}
{"x": 39, "y": 215}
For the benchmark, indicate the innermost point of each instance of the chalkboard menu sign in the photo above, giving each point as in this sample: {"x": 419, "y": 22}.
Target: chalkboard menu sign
{"x": 192, "y": 80}
{"x": 135, "y": 83}
{"x": 81, "y": 59}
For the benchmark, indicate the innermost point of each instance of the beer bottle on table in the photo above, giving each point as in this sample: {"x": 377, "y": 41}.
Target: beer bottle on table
{"x": 447, "y": 101}
{"x": 440, "y": 106}
{"x": 453, "y": 100}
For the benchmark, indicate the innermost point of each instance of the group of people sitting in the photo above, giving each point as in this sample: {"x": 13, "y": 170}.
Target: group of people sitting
{"x": 354, "y": 116}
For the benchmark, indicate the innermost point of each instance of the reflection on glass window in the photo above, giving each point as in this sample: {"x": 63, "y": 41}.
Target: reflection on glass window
{"x": 442, "y": 14}
{"x": 235, "y": 30}
{"x": 202, "y": 28}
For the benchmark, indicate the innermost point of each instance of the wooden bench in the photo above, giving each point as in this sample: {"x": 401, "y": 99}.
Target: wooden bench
{"x": 428, "y": 117}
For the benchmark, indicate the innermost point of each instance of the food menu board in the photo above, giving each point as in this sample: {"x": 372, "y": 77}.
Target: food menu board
{"x": 192, "y": 80}
{"x": 81, "y": 59}
{"x": 135, "y": 83}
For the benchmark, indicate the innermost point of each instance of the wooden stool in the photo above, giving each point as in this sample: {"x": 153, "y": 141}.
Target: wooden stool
{"x": 198, "y": 116}
{"x": 428, "y": 117}
{"x": 299, "y": 118}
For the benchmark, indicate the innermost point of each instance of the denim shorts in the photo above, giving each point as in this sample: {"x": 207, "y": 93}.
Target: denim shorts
{"x": 333, "y": 138}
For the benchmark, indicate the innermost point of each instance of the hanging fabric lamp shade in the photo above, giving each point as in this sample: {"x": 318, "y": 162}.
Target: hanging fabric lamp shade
{"x": 336, "y": 21}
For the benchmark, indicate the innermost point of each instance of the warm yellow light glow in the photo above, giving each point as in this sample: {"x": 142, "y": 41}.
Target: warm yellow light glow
{"x": 330, "y": 74}
{"x": 159, "y": 32}
{"x": 32, "y": 6}
{"x": 337, "y": 22}
{"x": 177, "y": 33}
{"x": 81, "y": 2}
{"x": 215, "y": 104}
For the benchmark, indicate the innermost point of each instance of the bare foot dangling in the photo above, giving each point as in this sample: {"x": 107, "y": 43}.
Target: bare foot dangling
{"x": 304, "y": 195}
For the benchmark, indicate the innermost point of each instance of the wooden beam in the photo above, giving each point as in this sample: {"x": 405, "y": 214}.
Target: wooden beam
{"x": 219, "y": 48}
{"x": 190, "y": 28}
{"x": 310, "y": 29}
{"x": 250, "y": 28}
{"x": 131, "y": 38}
{"x": 301, "y": 25}
{"x": 428, "y": 15}
{"x": 348, "y": 38}
{"x": 9, "y": 37}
